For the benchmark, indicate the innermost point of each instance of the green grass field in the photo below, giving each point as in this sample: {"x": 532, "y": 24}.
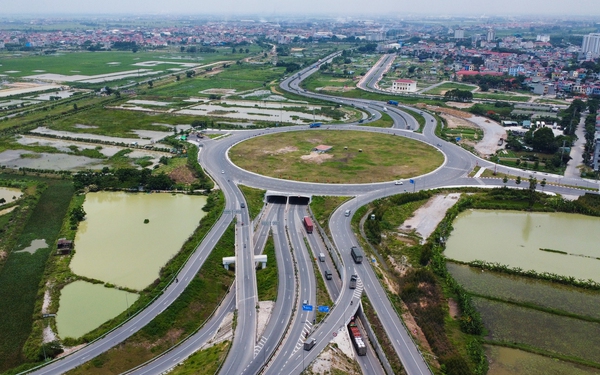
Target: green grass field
{"x": 95, "y": 63}
{"x": 21, "y": 274}
{"x": 555, "y": 335}
{"x": 441, "y": 89}
{"x": 323, "y": 206}
{"x": 383, "y": 157}
{"x": 204, "y": 362}
{"x": 236, "y": 77}
{"x": 385, "y": 121}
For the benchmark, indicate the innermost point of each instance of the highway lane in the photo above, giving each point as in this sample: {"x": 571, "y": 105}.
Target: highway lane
{"x": 302, "y": 321}
{"x": 286, "y": 291}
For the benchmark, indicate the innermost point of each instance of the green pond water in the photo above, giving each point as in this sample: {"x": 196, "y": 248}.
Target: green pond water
{"x": 515, "y": 238}
{"x": 114, "y": 245}
{"x": 85, "y": 306}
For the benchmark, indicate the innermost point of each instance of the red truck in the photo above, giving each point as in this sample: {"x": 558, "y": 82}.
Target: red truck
{"x": 357, "y": 340}
{"x": 308, "y": 224}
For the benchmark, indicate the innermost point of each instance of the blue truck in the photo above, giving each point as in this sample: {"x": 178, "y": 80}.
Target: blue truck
{"x": 316, "y": 125}
{"x": 392, "y": 102}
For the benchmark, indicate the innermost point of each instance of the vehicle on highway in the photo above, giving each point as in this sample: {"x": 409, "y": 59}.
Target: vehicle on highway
{"x": 361, "y": 121}
{"x": 308, "y": 344}
{"x": 384, "y": 109}
{"x": 243, "y": 205}
{"x": 357, "y": 254}
{"x": 322, "y": 257}
{"x": 356, "y": 336}
{"x": 315, "y": 125}
{"x": 398, "y": 182}
{"x": 308, "y": 224}
{"x": 392, "y": 102}
{"x": 305, "y": 302}
{"x": 353, "y": 280}
{"x": 347, "y": 213}
{"x": 222, "y": 171}
{"x": 328, "y": 275}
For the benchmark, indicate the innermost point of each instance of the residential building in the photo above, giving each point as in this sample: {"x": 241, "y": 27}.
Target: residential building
{"x": 591, "y": 46}
{"x": 459, "y": 33}
{"x": 404, "y": 85}
{"x": 491, "y": 35}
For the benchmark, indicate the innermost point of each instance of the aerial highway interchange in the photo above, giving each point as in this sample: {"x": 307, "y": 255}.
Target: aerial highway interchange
{"x": 279, "y": 349}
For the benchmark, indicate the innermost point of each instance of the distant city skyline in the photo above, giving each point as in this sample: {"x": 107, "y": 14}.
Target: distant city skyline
{"x": 306, "y": 7}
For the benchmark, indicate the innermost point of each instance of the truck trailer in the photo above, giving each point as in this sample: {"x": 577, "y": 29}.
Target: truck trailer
{"x": 357, "y": 339}
{"x": 392, "y": 102}
{"x": 308, "y": 224}
{"x": 316, "y": 125}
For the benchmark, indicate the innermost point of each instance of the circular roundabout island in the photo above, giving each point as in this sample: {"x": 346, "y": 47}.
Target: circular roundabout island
{"x": 336, "y": 156}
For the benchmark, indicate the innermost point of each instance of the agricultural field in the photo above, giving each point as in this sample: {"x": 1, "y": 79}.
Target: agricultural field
{"x": 25, "y": 263}
{"x": 528, "y": 292}
{"x": 355, "y": 157}
{"x": 550, "y": 334}
{"x": 507, "y": 361}
{"x": 108, "y": 62}
{"x": 231, "y": 80}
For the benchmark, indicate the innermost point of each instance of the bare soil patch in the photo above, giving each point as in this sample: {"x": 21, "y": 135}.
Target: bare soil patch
{"x": 453, "y": 308}
{"x": 458, "y": 122}
{"x": 427, "y": 218}
{"x": 315, "y": 157}
{"x": 182, "y": 175}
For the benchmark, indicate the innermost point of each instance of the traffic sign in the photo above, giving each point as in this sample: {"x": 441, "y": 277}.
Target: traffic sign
{"x": 307, "y": 307}
{"x": 457, "y": 139}
{"x": 324, "y": 309}
{"x": 412, "y": 181}
{"x": 334, "y": 334}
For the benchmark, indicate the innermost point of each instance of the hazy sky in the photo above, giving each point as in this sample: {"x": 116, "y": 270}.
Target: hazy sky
{"x": 325, "y": 7}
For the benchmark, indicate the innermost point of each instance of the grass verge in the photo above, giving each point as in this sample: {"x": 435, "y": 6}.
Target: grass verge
{"x": 267, "y": 278}
{"x": 207, "y": 361}
{"x": 254, "y": 199}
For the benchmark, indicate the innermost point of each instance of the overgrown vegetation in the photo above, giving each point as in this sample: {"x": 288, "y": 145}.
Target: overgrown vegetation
{"x": 254, "y": 199}
{"x": 267, "y": 278}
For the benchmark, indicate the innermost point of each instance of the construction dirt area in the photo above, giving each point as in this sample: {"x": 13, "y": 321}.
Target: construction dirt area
{"x": 337, "y": 357}
{"x": 492, "y": 131}
{"x": 426, "y": 219}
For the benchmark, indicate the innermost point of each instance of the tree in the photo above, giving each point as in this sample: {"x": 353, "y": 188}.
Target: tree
{"x": 543, "y": 184}
{"x": 75, "y": 106}
{"x": 77, "y": 214}
{"x": 505, "y": 179}
{"x": 150, "y": 84}
{"x": 532, "y": 194}
{"x": 518, "y": 180}
{"x": 233, "y": 50}
{"x": 543, "y": 140}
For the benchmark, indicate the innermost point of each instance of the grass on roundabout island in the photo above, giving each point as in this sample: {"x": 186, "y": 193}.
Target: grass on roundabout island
{"x": 384, "y": 157}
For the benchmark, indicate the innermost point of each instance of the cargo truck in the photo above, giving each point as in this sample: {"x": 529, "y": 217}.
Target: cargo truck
{"x": 356, "y": 254}
{"x": 308, "y": 344}
{"x": 353, "y": 280}
{"x": 316, "y": 125}
{"x": 308, "y": 224}
{"x": 357, "y": 340}
{"x": 392, "y": 102}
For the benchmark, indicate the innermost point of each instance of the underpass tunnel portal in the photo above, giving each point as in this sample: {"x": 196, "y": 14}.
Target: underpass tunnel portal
{"x": 287, "y": 198}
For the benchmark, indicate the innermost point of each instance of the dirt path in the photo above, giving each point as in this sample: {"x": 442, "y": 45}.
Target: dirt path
{"x": 427, "y": 218}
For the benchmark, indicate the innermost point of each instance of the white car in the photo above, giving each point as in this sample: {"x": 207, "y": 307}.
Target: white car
{"x": 398, "y": 183}
{"x": 222, "y": 171}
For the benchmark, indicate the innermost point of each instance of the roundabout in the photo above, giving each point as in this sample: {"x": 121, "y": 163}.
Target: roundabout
{"x": 336, "y": 156}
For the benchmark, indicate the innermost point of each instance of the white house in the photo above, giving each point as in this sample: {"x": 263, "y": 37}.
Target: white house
{"x": 404, "y": 85}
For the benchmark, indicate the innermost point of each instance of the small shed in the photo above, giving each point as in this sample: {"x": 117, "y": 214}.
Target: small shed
{"x": 64, "y": 246}
{"x": 322, "y": 148}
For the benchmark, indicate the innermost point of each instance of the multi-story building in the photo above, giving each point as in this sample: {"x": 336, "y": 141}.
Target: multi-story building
{"x": 591, "y": 46}
{"x": 491, "y": 35}
{"x": 404, "y": 85}
{"x": 459, "y": 33}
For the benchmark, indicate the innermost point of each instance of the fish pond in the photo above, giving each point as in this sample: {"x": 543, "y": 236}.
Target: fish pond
{"x": 85, "y": 306}
{"x": 559, "y": 243}
{"x": 127, "y": 237}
